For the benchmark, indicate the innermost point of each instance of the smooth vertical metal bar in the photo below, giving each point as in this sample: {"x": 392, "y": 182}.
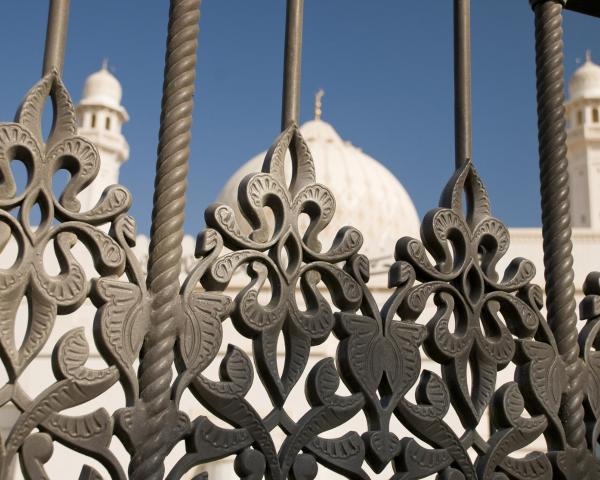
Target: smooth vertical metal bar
{"x": 462, "y": 81}
{"x": 164, "y": 265}
{"x": 56, "y": 36}
{"x": 292, "y": 63}
{"x": 556, "y": 220}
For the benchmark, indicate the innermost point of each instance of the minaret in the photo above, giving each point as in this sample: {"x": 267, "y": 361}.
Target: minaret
{"x": 100, "y": 116}
{"x": 583, "y": 142}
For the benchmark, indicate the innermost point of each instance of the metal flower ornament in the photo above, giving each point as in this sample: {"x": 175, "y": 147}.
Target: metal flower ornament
{"x": 481, "y": 324}
{"x": 281, "y": 263}
{"x": 61, "y": 225}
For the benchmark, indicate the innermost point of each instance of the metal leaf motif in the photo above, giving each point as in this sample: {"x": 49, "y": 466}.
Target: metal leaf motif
{"x": 589, "y": 340}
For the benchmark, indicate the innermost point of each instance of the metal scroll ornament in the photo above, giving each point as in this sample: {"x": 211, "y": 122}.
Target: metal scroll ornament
{"x": 290, "y": 263}
{"x": 497, "y": 321}
{"x": 448, "y": 302}
{"x": 589, "y": 341}
{"x": 60, "y": 227}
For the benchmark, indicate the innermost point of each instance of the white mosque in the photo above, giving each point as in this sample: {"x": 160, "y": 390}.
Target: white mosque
{"x": 368, "y": 196}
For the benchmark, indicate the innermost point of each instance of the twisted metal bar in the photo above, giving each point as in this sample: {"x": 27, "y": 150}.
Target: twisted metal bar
{"x": 164, "y": 264}
{"x": 556, "y": 220}
{"x": 462, "y": 81}
{"x": 56, "y": 36}
{"x": 292, "y": 63}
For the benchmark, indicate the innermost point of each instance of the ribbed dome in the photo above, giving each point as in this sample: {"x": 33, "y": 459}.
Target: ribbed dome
{"x": 585, "y": 82}
{"x": 102, "y": 88}
{"x": 368, "y": 196}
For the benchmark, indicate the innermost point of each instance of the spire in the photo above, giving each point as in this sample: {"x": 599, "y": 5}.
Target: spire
{"x": 319, "y": 104}
{"x": 588, "y": 55}
{"x": 100, "y": 116}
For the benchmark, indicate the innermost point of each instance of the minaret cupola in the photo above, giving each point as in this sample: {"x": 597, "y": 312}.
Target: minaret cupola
{"x": 101, "y": 116}
{"x": 583, "y": 143}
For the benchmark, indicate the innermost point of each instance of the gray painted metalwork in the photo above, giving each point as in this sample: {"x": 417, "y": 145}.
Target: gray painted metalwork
{"x": 556, "y": 226}
{"x": 292, "y": 63}
{"x": 56, "y": 36}
{"x": 462, "y": 82}
{"x": 154, "y": 425}
{"x": 556, "y": 218}
{"x": 62, "y": 225}
{"x": 497, "y": 318}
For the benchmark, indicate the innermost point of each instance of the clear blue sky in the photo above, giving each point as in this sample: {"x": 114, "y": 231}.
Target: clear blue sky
{"x": 386, "y": 67}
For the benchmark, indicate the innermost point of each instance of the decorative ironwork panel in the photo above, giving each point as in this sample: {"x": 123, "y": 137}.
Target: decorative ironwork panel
{"x": 288, "y": 264}
{"x": 589, "y": 342}
{"x": 447, "y": 303}
{"x": 498, "y": 321}
{"x": 62, "y": 225}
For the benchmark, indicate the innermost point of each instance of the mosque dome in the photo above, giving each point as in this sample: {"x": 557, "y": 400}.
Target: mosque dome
{"x": 103, "y": 89}
{"x": 368, "y": 196}
{"x": 585, "y": 82}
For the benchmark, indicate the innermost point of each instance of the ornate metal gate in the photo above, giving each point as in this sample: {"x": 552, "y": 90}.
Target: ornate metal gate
{"x": 154, "y": 319}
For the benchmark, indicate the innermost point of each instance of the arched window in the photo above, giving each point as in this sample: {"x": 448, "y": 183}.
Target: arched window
{"x": 93, "y": 120}
{"x": 107, "y": 123}
{"x": 580, "y": 117}
{"x": 595, "y": 115}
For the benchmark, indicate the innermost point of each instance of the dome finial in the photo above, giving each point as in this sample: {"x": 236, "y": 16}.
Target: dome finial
{"x": 105, "y": 64}
{"x": 319, "y": 103}
{"x": 588, "y": 55}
